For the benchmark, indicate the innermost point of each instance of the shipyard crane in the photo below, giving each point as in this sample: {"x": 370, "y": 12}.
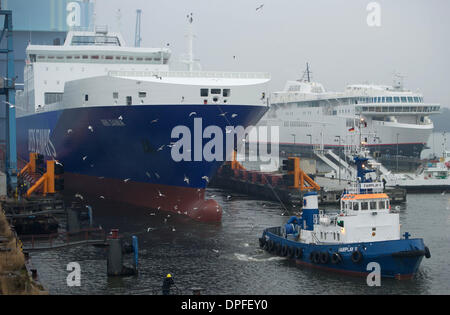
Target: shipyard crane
{"x": 7, "y": 88}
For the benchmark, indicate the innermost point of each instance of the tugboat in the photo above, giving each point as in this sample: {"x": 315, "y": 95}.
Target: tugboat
{"x": 363, "y": 231}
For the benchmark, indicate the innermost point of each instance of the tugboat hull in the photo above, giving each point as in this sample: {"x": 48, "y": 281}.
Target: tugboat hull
{"x": 399, "y": 259}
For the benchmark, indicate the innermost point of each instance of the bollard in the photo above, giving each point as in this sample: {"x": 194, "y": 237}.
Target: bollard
{"x": 73, "y": 222}
{"x": 115, "y": 259}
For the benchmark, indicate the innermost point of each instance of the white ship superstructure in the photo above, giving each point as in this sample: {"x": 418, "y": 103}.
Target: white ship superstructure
{"x": 396, "y": 121}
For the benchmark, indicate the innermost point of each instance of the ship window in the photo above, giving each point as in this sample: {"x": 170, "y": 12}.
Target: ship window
{"x": 337, "y": 236}
{"x": 129, "y": 100}
{"x": 410, "y": 99}
{"x": 51, "y": 57}
{"x": 383, "y": 99}
{"x": 382, "y": 205}
{"x": 203, "y": 92}
{"x": 403, "y": 99}
{"x": 41, "y": 57}
{"x": 68, "y": 57}
{"x": 215, "y": 91}
{"x": 76, "y": 57}
{"x": 226, "y": 92}
{"x": 86, "y": 97}
{"x": 364, "y": 205}
{"x": 130, "y": 58}
{"x": 389, "y": 99}
{"x": 85, "y": 57}
{"x": 59, "y": 57}
{"x": 373, "y": 205}
{"x": 124, "y": 58}
{"x": 148, "y": 59}
{"x": 356, "y": 206}
{"x": 139, "y": 59}
{"x": 142, "y": 94}
{"x": 115, "y": 95}
{"x": 109, "y": 57}
{"x": 94, "y": 57}
{"x": 50, "y": 98}
{"x": 396, "y": 99}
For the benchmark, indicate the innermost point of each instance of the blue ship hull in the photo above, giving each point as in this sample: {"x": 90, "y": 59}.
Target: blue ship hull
{"x": 398, "y": 259}
{"x": 122, "y": 152}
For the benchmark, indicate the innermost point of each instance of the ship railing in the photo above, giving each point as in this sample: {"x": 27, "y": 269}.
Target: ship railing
{"x": 192, "y": 74}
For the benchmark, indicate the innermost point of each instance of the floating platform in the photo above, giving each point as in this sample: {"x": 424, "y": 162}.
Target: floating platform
{"x": 271, "y": 186}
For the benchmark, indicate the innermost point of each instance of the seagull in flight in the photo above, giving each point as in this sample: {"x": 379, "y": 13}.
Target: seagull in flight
{"x": 160, "y": 194}
{"x": 161, "y": 147}
{"x": 126, "y": 180}
{"x": 91, "y": 129}
{"x": 154, "y": 121}
{"x": 206, "y": 178}
{"x": 120, "y": 117}
{"x": 193, "y": 113}
{"x": 77, "y": 195}
{"x": 234, "y": 115}
{"x": 186, "y": 179}
{"x": 69, "y": 130}
{"x": 223, "y": 114}
{"x": 260, "y": 7}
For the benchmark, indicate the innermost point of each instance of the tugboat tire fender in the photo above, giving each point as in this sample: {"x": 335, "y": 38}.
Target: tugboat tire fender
{"x": 336, "y": 258}
{"x": 270, "y": 245}
{"x": 356, "y": 256}
{"x": 284, "y": 250}
{"x": 314, "y": 257}
{"x": 298, "y": 253}
{"x": 324, "y": 257}
{"x": 278, "y": 248}
{"x": 290, "y": 252}
{"x": 262, "y": 242}
{"x": 427, "y": 252}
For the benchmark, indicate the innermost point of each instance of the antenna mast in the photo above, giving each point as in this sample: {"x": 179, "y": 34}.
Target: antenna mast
{"x": 190, "y": 37}
{"x": 137, "y": 33}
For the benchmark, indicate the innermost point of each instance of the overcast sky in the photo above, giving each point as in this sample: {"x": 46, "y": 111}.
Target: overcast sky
{"x": 332, "y": 35}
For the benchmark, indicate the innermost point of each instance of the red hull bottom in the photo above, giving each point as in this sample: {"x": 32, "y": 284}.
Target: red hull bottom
{"x": 349, "y": 272}
{"x": 181, "y": 200}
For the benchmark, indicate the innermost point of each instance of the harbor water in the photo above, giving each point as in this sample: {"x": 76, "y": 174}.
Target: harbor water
{"x": 225, "y": 258}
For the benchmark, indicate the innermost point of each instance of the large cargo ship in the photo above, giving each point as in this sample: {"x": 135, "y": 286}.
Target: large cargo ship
{"x": 109, "y": 114}
{"x": 397, "y": 120}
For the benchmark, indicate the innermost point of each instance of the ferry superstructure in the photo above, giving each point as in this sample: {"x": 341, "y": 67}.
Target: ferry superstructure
{"x": 107, "y": 112}
{"x": 397, "y": 121}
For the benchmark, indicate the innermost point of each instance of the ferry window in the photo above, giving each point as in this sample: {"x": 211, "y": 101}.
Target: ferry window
{"x": 356, "y": 206}
{"x": 373, "y": 205}
{"x": 130, "y": 58}
{"x": 387, "y": 204}
{"x": 383, "y": 99}
{"x": 142, "y": 94}
{"x": 139, "y": 59}
{"x": 41, "y": 57}
{"x": 215, "y": 91}
{"x": 33, "y": 58}
{"x": 95, "y": 40}
{"x": 115, "y": 95}
{"x": 410, "y": 99}
{"x": 85, "y": 57}
{"x": 364, "y": 205}
{"x": 50, "y": 98}
{"x": 403, "y": 99}
{"x": 69, "y": 57}
{"x": 226, "y": 92}
{"x": 416, "y": 99}
{"x": 129, "y": 100}
{"x": 389, "y": 99}
{"x": 86, "y": 97}
{"x": 59, "y": 57}
{"x": 76, "y": 57}
{"x": 382, "y": 205}
{"x": 203, "y": 92}
{"x": 337, "y": 236}
{"x": 94, "y": 57}
{"x": 124, "y": 58}
{"x": 396, "y": 99}
{"x": 51, "y": 57}
{"x": 109, "y": 57}
{"x": 148, "y": 59}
